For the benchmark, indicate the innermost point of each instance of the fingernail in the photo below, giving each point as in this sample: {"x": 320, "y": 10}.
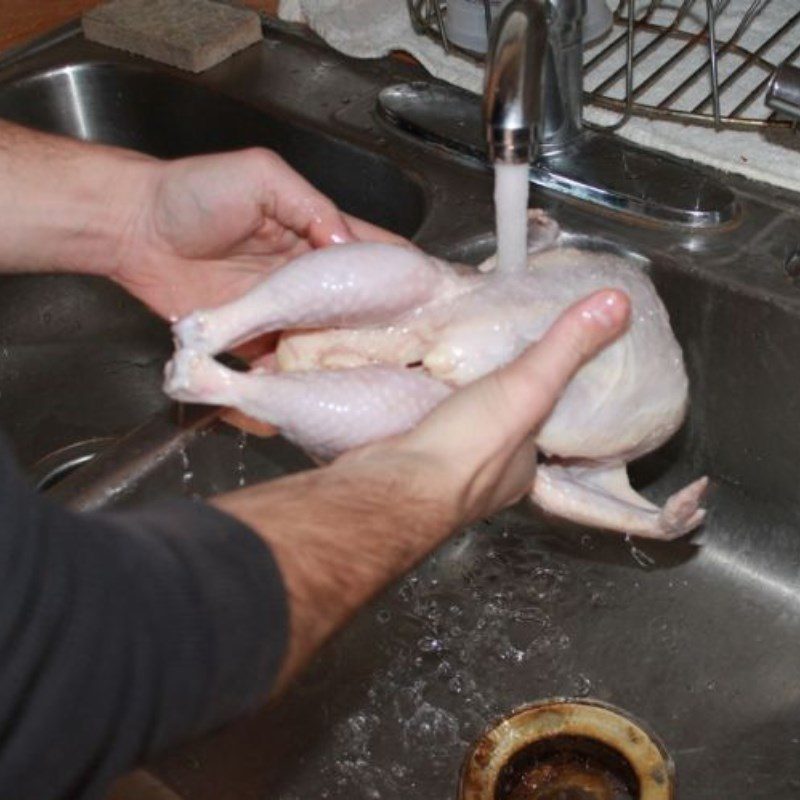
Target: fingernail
{"x": 608, "y": 309}
{"x": 341, "y": 235}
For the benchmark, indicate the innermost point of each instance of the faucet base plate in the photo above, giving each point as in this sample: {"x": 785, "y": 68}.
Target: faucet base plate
{"x": 596, "y": 168}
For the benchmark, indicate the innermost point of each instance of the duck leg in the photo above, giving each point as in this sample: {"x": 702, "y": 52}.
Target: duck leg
{"x": 346, "y": 285}
{"x": 325, "y": 413}
{"x": 601, "y": 497}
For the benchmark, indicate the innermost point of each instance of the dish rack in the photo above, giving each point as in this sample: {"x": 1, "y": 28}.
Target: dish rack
{"x": 693, "y": 61}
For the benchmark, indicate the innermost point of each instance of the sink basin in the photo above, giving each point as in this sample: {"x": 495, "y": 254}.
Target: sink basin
{"x": 699, "y": 639}
{"x": 169, "y": 117}
{"x": 83, "y": 342}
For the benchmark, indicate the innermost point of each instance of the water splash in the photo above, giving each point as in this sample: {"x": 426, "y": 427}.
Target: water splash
{"x": 476, "y": 630}
{"x": 644, "y": 560}
{"x": 241, "y": 466}
{"x": 188, "y": 475}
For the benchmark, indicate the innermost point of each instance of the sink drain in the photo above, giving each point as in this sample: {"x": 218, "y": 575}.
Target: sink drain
{"x": 567, "y": 750}
{"x": 54, "y": 467}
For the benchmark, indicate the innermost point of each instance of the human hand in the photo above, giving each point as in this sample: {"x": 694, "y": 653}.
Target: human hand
{"x": 342, "y": 532}
{"x": 476, "y": 451}
{"x": 208, "y": 228}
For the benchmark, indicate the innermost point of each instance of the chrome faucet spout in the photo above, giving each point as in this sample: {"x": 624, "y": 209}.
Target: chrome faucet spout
{"x": 513, "y": 93}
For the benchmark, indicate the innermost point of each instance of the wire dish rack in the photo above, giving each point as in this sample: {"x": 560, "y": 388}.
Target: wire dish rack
{"x": 694, "y": 61}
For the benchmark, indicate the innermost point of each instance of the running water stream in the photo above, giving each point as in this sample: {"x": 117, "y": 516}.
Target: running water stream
{"x": 511, "y": 208}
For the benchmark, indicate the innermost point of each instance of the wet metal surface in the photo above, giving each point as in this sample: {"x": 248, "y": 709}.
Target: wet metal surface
{"x": 700, "y": 639}
{"x": 597, "y": 168}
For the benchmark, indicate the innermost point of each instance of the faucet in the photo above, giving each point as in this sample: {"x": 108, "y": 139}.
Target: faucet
{"x": 783, "y": 93}
{"x": 532, "y": 112}
{"x": 514, "y": 85}
{"x": 534, "y": 85}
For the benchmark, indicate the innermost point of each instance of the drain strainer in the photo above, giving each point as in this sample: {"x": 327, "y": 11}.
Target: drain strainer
{"x": 567, "y": 750}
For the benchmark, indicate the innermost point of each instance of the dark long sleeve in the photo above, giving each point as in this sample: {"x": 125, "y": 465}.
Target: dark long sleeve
{"x": 121, "y": 634}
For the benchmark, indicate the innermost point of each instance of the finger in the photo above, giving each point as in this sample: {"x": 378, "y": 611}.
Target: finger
{"x": 367, "y": 232}
{"x": 531, "y": 384}
{"x": 295, "y": 203}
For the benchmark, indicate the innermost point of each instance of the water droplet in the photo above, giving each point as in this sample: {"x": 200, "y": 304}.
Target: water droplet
{"x": 241, "y": 468}
{"x": 581, "y": 686}
{"x": 430, "y": 644}
{"x": 432, "y": 728}
{"x": 188, "y": 475}
{"x": 644, "y": 560}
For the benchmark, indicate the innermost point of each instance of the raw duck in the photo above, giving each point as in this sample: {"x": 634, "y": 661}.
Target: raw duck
{"x": 376, "y": 335}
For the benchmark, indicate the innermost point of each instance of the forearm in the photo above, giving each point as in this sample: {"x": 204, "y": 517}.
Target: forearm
{"x": 64, "y": 204}
{"x": 340, "y": 534}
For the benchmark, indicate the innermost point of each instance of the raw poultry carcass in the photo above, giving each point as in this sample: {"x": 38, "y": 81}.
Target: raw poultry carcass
{"x": 376, "y": 335}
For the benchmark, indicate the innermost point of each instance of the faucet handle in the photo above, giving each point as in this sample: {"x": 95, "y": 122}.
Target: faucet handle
{"x": 783, "y": 94}
{"x": 514, "y": 86}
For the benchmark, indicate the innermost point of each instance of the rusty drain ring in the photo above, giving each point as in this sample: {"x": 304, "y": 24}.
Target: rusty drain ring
{"x": 584, "y": 719}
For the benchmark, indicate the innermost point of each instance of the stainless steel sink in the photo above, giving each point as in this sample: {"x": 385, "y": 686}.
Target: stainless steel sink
{"x": 700, "y": 638}
{"x": 83, "y": 342}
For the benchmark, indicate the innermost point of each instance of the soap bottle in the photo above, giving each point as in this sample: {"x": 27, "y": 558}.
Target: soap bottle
{"x": 465, "y": 23}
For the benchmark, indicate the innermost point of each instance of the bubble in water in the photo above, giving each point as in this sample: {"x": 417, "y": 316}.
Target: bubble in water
{"x": 529, "y": 614}
{"x": 356, "y": 731}
{"x": 399, "y": 771}
{"x": 444, "y": 670}
{"x": 410, "y": 589}
{"x": 513, "y": 654}
{"x": 430, "y": 644}
{"x": 462, "y": 683}
{"x": 581, "y": 686}
{"x": 546, "y": 583}
{"x": 596, "y": 600}
{"x": 432, "y": 728}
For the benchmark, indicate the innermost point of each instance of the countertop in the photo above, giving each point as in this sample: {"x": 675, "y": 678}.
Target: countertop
{"x": 21, "y": 20}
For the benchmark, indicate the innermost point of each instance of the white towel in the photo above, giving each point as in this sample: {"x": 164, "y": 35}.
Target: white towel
{"x": 373, "y": 28}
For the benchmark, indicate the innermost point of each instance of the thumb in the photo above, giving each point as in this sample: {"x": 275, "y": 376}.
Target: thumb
{"x": 501, "y": 409}
{"x": 531, "y": 385}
